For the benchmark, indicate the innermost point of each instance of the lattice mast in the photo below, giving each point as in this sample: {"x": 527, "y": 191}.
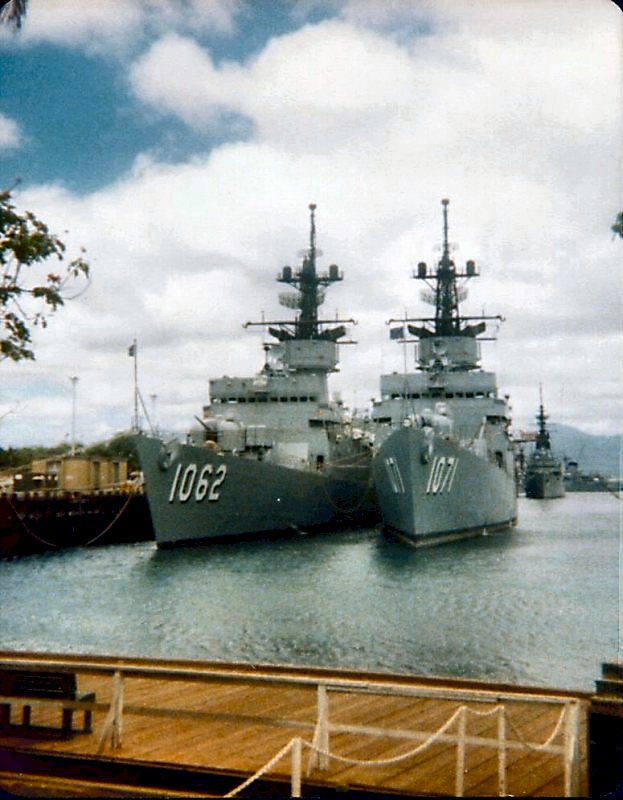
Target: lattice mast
{"x": 307, "y": 298}
{"x": 543, "y": 441}
{"x": 447, "y": 293}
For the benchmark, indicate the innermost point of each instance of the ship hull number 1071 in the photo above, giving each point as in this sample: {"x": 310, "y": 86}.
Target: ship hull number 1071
{"x": 441, "y": 476}
{"x": 198, "y": 483}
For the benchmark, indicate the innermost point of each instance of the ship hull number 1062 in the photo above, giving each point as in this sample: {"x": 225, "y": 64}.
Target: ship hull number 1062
{"x": 198, "y": 483}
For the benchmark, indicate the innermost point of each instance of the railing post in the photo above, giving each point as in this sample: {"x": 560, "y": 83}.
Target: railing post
{"x": 572, "y": 730}
{"x": 502, "y": 751}
{"x": 321, "y": 734}
{"x": 113, "y": 723}
{"x": 323, "y": 725}
{"x": 117, "y": 703}
{"x": 460, "y": 753}
{"x": 295, "y": 779}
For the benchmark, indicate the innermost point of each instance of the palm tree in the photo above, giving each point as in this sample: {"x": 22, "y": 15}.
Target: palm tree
{"x": 12, "y": 12}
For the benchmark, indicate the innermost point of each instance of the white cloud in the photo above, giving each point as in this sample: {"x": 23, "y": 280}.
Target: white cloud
{"x": 114, "y": 25}
{"x": 375, "y": 129}
{"x": 10, "y": 134}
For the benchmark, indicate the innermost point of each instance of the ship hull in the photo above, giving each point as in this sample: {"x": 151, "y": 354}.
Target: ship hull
{"x": 431, "y": 490}
{"x": 543, "y": 485}
{"x": 197, "y": 494}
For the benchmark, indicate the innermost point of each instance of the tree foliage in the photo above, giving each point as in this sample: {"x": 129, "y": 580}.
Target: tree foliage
{"x": 25, "y": 298}
{"x": 617, "y": 228}
{"x": 120, "y": 446}
{"x": 12, "y": 12}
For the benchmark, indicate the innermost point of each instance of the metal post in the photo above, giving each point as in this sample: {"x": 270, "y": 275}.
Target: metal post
{"x": 135, "y": 354}
{"x": 154, "y": 426}
{"x": 502, "y": 751}
{"x": 74, "y": 381}
{"x": 295, "y": 780}
{"x": 460, "y": 753}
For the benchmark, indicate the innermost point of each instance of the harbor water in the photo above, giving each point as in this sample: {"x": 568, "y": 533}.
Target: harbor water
{"x": 537, "y": 605}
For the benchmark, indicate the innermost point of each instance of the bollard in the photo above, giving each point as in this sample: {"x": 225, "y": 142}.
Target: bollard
{"x": 605, "y": 734}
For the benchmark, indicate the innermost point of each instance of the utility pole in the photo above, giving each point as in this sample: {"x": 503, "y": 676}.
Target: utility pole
{"x": 153, "y": 398}
{"x": 74, "y": 382}
{"x": 133, "y": 353}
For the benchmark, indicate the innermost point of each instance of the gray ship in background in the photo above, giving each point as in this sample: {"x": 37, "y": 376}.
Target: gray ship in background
{"x": 272, "y": 452}
{"x": 444, "y": 467}
{"x": 544, "y": 476}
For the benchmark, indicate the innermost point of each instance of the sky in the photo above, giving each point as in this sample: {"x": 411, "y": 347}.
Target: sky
{"x": 180, "y": 143}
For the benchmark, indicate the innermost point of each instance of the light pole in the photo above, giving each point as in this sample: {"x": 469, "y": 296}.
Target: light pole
{"x": 153, "y": 398}
{"x": 74, "y": 381}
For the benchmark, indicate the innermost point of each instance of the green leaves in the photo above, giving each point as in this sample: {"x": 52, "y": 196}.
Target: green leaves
{"x": 25, "y": 298}
{"x": 617, "y": 228}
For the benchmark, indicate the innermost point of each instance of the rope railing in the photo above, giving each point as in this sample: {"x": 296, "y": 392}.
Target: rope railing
{"x": 321, "y": 755}
{"x": 291, "y": 747}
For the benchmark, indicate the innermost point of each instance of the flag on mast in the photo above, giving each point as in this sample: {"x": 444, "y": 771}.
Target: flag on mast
{"x": 132, "y": 349}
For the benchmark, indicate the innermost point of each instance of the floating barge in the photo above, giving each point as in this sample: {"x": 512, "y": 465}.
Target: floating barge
{"x": 35, "y": 522}
{"x": 162, "y": 728}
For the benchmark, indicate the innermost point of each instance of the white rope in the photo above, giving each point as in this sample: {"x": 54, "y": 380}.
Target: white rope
{"x": 538, "y": 747}
{"x": 460, "y": 712}
{"x": 262, "y": 770}
{"x": 494, "y": 710}
{"x": 387, "y": 761}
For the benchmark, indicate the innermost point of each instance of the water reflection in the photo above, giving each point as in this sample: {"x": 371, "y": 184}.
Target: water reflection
{"x": 536, "y": 604}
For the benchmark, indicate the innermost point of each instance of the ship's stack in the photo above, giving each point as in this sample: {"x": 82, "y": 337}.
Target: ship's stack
{"x": 605, "y": 730}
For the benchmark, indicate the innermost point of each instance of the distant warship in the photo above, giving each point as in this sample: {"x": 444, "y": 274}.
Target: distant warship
{"x": 575, "y": 480}
{"x": 544, "y": 473}
{"x": 444, "y": 467}
{"x": 273, "y": 452}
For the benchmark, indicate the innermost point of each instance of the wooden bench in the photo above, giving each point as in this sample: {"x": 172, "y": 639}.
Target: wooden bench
{"x": 41, "y": 687}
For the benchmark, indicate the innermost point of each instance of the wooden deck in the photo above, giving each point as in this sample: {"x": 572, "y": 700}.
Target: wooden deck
{"x": 208, "y": 726}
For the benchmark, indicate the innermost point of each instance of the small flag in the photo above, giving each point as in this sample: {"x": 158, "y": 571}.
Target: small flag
{"x": 132, "y": 350}
{"x": 397, "y": 333}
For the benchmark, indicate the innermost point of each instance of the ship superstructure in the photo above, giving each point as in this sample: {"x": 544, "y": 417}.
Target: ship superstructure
{"x": 444, "y": 467}
{"x": 273, "y": 451}
{"x": 544, "y": 476}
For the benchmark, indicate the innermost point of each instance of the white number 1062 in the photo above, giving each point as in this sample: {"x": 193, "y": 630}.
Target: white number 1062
{"x": 184, "y": 484}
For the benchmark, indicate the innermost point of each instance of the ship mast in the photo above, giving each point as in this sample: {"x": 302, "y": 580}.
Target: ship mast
{"x": 542, "y": 437}
{"x": 308, "y": 297}
{"x": 445, "y": 293}
{"x": 447, "y": 321}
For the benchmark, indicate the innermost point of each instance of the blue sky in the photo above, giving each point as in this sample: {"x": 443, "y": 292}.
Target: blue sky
{"x": 181, "y": 142}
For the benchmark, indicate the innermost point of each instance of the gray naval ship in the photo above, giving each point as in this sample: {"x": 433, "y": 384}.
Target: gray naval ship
{"x": 272, "y": 451}
{"x": 544, "y": 476}
{"x": 444, "y": 467}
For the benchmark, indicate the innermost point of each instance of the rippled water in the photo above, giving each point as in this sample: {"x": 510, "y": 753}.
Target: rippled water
{"x": 538, "y": 605}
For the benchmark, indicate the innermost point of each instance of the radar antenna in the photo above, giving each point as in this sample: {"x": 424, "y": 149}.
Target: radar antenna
{"x": 309, "y": 295}
{"x": 445, "y": 293}
{"x": 542, "y": 437}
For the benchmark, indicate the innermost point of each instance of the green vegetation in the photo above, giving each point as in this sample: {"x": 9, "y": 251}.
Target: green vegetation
{"x": 25, "y": 298}
{"x": 12, "y": 12}
{"x": 617, "y": 228}
{"x": 118, "y": 447}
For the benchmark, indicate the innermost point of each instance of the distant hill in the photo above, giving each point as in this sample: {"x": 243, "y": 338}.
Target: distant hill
{"x": 593, "y": 453}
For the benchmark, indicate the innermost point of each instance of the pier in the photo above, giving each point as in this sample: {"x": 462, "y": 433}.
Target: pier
{"x": 211, "y": 729}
